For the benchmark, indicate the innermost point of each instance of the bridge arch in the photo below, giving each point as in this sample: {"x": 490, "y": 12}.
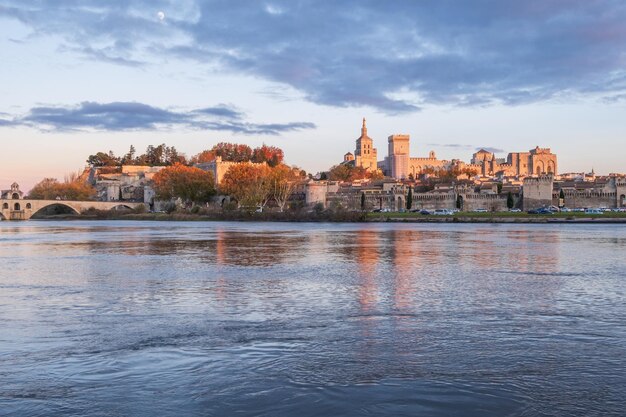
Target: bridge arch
{"x": 121, "y": 207}
{"x": 17, "y": 207}
{"x": 59, "y": 204}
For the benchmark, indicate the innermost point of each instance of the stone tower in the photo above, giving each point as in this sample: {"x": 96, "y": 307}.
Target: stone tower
{"x": 399, "y": 158}
{"x": 365, "y": 153}
{"x": 538, "y": 191}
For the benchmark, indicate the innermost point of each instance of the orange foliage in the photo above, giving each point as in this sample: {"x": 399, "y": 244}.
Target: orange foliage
{"x": 187, "y": 183}
{"x": 71, "y": 189}
{"x": 249, "y": 184}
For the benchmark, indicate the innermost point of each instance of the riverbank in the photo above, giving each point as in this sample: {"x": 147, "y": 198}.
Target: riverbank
{"x": 500, "y": 217}
{"x": 350, "y": 217}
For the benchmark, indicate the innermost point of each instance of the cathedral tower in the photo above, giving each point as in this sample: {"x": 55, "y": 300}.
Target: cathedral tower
{"x": 365, "y": 153}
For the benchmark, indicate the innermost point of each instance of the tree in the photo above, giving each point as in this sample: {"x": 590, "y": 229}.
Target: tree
{"x": 232, "y": 152}
{"x": 283, "y": 180}
{"x": 129, "y": 158}
{"x": 345, "y": 172}
{"x": 46, "y": 189}
{"x": 73, "y": 188}
{"x": 249, "y": 184}
{"x": 191, "y": 185}
{"x": 362, "y": 201}
{"x": 470, "y": 172}
{"x": 510, "y": 203}
{"x": 269, "y": 154}
{"x": 409, "y": 199}
{"x": 202, "y": 157}
{"x": 102, "y": 159}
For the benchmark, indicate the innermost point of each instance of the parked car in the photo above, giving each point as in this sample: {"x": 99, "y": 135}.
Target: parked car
{"x": 442, "y": 212}
{"x": 480, "y": 210}
{"x": 542, "y": 210}
{"x": 425, "y": 212}
{"x": 566, "y": 210}
{"x": 515, "y": 210}
{"x": 593, "y": 211}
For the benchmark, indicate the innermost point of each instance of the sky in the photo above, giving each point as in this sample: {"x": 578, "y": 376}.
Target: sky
{"x": 82, "y": 76}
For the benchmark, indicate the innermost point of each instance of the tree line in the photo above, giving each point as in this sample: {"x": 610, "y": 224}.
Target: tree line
{"x": 251, "y": 186}
{"x": 163, "y": 155}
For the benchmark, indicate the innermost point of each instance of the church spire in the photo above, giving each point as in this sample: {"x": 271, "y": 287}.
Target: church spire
{"x": 364, "y": 128}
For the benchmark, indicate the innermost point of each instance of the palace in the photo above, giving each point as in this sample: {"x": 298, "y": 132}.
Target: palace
{"x": 399, "y": 164}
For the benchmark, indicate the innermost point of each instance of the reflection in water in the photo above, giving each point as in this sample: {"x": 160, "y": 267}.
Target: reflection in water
{"x": 142, "y": 318}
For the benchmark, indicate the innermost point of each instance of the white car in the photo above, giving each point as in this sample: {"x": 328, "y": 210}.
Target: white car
{"x": 442, "y": 212}
{"x": 593, "y": 211}
{"x": 515, "y": 210}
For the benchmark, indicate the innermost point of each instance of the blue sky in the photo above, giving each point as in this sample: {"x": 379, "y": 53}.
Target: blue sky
{"x": 82, "y": 76}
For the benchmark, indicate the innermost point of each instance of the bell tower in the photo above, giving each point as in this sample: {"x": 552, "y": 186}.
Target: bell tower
{"x": 365, "y": 154}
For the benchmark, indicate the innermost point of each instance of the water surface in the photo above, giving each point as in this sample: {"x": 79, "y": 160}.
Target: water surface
{"x": 165, "y": 318}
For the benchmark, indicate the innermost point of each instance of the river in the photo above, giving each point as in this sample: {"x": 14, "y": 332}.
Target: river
{"x": 281, "y": 319}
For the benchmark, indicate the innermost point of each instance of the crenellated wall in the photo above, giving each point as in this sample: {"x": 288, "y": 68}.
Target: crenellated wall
{"x": 538, "y": 192}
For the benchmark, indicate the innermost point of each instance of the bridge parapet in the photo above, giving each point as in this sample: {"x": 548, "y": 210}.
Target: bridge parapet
{"x": 24, "y": 209}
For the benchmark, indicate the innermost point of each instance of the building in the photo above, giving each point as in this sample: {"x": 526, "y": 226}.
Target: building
{"x": 131, "y": 183}
{"x": 603, "y": 192}
{"x": 365, "y": 155}
{"x": 13, "y": 193}
{"x": 399, "y": 164}
{"x": 398, "y": 160}
{"x": 392, "y": 195}
{"x": 538, "y": 161}
{"x": 219, "y": 167}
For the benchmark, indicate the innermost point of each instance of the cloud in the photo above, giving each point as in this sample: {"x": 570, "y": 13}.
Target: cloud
{"x": 132, "y": 116}
{"x": 488, "y": 149}
{"x": 395, "y": 57}
{"x": 221, "y": 110}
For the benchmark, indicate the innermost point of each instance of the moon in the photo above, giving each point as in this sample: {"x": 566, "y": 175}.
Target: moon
{"x": 161, "y": 16}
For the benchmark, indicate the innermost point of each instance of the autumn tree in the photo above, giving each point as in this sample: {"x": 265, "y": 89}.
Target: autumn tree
{"x": 269, "y": 154}
{"x": 470, "y": 172}
{"x": 202, "y": 157}
{"x": 46, "y": 189}
{"x": 191, "y": 185}
{"x": 345, "y": 172}
{"x": 283, "y": 180}
{"x": 73, "y": 188}
{"x": 249, "y": 184}
{"x": 232, "y": 152}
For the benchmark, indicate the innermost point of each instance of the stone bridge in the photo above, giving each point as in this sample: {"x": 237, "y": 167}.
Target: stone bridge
{"x": 13, "y": 206}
